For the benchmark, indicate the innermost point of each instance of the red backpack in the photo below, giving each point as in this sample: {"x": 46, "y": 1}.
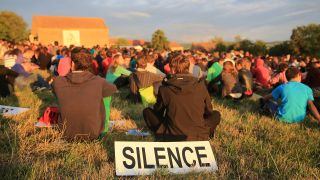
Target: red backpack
{"x": 49, "y": 117}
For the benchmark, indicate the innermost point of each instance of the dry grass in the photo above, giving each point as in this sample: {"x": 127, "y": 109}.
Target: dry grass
{"x": 246, "y": 145}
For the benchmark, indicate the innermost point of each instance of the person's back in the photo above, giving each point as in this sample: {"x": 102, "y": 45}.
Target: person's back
{"x": 142, "y": 79}
{"x": 183, "y": 110}
{"x": 7, "y": 77}
{"x": 64, "y": 66}
{"x": 151, "y": 68}
{"x": 294, "y": 98}
{"x": 230, "y": 82}
{"x": 44, "y": 61}
{"x": 80, "y": 96}
{"x": 214, "y": 71}
{"x": 262, "y": 74}
{"x": 195, "y": 70}
{"x": 105, "y": 65}
{"x": 313, "y": 75}
{"x": 187, "y": 100}
{"x": 246, "y": 79}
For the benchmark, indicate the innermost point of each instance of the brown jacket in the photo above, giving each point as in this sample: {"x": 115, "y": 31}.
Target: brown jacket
{"x": 183, "y": 102}
{"x": 145, "y": 79}
{"x": 80, "y": 96}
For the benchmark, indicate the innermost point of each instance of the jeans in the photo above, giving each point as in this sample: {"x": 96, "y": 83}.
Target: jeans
{"x": 269, "y": 107}
{"x": 154, "y": 122}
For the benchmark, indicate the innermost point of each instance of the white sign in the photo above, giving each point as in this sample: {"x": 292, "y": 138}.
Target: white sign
{"x": 143, "y": 158}
{"x": 9, "y": 110}
{"x": 71, "y": 37}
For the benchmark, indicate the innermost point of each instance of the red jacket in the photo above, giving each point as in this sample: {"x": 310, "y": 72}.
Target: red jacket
{"x": 262, "y": 74}
{"x": 105, "y": 65}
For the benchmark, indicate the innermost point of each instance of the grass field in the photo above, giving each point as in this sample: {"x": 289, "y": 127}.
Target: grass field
{"x": 246, "y": 145}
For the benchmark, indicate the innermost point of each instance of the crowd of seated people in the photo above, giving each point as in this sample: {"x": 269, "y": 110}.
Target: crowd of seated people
{"x": 180, "y": 83}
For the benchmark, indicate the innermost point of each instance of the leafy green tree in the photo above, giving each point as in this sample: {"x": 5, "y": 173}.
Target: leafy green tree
{"x": 306, "y": 40}
{"x": 159, "y": 40}
{"x": 122, "y": 42}
{"x": 259, "y": 48}
{"x": 12, "y": 27}
{"x": 221, "y": 47}
{"x": 246, "y": 45}
{"x": 281, "y": 49}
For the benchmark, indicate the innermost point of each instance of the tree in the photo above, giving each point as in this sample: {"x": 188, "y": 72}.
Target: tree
{"x": 220, "y": 44}
{"x": 122, "y": 42}
{"x": 259, "y": 48}
{"x": 245, "y": 45}
{"x": 12, "y": 27}
{"x": 237, "y": 40}
{"x": 306, "y": 40}
{"x": 159, "y": 40}
{"x": 221, "y": 47}
{"x": 281, "y": 49}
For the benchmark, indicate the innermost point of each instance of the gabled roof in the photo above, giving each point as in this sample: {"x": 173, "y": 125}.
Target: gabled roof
{"x": 66, "y": 22}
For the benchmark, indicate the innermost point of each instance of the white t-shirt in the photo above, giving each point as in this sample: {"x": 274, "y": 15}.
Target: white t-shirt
{"x": 195, "y": 70}
{"x": 154, "y": 70}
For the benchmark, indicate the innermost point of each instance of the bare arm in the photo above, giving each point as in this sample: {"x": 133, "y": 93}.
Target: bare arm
{"x": 313, "y": 110}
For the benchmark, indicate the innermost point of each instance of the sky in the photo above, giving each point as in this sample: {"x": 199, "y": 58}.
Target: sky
{"x": 183, "y": 21}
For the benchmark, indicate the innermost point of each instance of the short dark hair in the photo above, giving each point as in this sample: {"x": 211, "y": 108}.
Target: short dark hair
{"x": 283, "y": 67}
{"x": 82, "y": 60}
{"x": 142, "y": 62}
{"x": 292, "y": 72}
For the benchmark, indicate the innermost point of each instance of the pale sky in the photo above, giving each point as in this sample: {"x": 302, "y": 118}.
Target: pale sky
{"x": 182, "y": 20}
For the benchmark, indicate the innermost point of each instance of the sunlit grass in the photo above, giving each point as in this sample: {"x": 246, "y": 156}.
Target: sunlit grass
{"x": 246, "y": 145}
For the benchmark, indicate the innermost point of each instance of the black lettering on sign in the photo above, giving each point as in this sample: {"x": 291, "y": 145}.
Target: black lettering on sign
{"x": 184, "y": 150}
{"x": 158, "y": 157}
{"x": 176, "y": 158}
{"x": 138, "y": 158}
{"x": 133, "y": 162}
{"x": 201, "y": 156}
{"x": 145, "y": 163}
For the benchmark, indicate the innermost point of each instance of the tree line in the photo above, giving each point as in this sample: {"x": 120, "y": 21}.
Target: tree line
{"x": 304, "y": 40}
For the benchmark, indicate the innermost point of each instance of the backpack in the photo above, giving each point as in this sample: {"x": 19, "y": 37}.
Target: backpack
{"x": 147, "y": 94}
{"x": 49, "y": 117}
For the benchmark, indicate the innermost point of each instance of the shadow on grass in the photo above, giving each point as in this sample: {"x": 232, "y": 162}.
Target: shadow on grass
{"x": 252, "y": 105}
{"x": 111, "y": 137}
{"x": 129, "y": 109}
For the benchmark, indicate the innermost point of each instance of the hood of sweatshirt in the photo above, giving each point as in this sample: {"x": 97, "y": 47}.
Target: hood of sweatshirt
{"x": 181, "y": 83}
{"x": 80, "y": 77}
{"x": 259, "y": 63}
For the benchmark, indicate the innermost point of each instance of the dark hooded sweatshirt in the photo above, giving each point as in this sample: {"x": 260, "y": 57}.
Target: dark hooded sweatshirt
{"x": 183, "y": 101}
{"x": 80, "y": 96}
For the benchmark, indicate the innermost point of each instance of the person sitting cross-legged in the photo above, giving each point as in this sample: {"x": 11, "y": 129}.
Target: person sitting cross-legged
{"x": 183, "y": 110}
{"x": 295, "y": 97}
{"x": 141, "y": 80}
{"x": 80, "y": 95}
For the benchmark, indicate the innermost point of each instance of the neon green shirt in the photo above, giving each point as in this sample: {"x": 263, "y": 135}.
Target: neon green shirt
{"x": 111, "y": 77}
